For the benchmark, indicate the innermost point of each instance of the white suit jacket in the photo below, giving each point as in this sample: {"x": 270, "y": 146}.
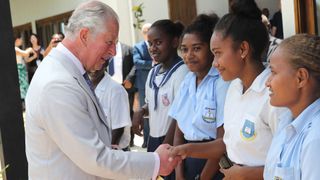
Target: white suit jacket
{"x": 67, "y": 137}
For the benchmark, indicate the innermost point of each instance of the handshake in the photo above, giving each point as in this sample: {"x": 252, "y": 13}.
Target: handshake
{"x": 170, "y": 157}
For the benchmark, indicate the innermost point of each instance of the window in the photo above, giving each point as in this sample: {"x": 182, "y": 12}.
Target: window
{"x": 24, "y": 31}
{"x": 48, "y": 26}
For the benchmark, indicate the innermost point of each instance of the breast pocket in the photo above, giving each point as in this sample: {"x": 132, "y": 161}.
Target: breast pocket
{"x": 284, "y": 173}
{"x": 204, "y": 119}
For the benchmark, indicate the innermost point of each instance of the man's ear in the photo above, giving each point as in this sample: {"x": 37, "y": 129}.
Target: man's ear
{"x": 244, "y": 49}
{"x": 302, "y": 77}
{"x": 84, "y": 36}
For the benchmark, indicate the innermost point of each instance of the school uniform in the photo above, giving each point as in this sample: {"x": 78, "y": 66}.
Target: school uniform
{"x": 199, "y": 112}
{"x": 161, "y": 89}
{"x": 250, "y": 121}
{"x": 294, "y": 152}
{"x": 114, "y": 101}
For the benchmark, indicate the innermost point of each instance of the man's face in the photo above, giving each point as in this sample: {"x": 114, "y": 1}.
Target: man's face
{"x": 100, "y": 48}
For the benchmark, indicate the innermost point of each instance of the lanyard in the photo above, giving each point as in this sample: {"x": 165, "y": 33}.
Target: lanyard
{"x": 153, "y": 85}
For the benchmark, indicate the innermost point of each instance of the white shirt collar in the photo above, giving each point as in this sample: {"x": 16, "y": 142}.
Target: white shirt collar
{"x": 258, "y": 84}
{"x": 71, "y": 56}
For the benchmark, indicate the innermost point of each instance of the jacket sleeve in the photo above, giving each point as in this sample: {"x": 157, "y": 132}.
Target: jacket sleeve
{"x": 139, "y": 59}
{"x": 69, "y": 117}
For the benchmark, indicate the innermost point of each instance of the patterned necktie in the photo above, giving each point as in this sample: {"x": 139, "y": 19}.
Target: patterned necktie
{"x": 89, "y": 82}
{"x": 111, "y": 67}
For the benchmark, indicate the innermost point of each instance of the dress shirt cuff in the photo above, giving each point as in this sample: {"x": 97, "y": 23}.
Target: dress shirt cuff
{"x": 156, "y": 166}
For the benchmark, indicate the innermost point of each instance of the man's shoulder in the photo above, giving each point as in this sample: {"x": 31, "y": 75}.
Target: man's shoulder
{"x": 125, "y": 46}
{"x": 139, "y": 44}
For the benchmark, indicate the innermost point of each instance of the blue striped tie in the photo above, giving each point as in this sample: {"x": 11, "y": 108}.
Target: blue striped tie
{"x": 111, "y": 67}
{"x": 89, "y": 82}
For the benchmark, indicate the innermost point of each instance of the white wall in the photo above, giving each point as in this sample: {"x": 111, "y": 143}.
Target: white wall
{"x": 23, "y": 11}
{"x": 123, "y": 9}
{"x": 272, "y": 5}
{"x": 288, "y": 17}
{"x": 220, "y": 7}
{"x": 153, "y": 10}
{"x": 28, "y": 11}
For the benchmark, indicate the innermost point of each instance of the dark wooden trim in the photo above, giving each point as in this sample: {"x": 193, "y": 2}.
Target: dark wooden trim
{"x": 23, "y": 27}
{"x": 182, "y": 10}
{"x": 46, "y": 27}
{"x": 305, "y": 16}
{"x": 25, "y": 31}
{"x": 53, "y": 19}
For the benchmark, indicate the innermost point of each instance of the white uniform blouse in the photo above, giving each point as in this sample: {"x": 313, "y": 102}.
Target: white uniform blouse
{"x": 249, "y": 121}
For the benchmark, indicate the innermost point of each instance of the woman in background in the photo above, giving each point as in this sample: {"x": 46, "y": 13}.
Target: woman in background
{"x": 34, "y": 61}
{"x": 22, "y": 56}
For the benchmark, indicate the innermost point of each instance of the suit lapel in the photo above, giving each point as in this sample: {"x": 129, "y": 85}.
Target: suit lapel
{"x": 72, "y": 69}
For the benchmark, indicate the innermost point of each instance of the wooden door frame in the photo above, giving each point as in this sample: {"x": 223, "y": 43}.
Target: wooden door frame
{"x": 184, "y": 12}
{"x": 305, "y": 16}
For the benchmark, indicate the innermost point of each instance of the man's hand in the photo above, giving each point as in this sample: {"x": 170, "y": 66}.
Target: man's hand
{"x": 166, "y": 166}
{"x": 137, "y": 122}
{"x": 127, "y": 84}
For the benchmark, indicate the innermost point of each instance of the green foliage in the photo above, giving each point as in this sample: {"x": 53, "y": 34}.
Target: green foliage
{"x": 2, "y": 171}
{"x": 138, "y": 13}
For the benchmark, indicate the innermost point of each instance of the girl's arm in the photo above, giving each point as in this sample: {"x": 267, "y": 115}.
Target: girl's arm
{"x": 178, "y": 140}
{"x": 170, "y": 134}
{"x": 212, "y": 165}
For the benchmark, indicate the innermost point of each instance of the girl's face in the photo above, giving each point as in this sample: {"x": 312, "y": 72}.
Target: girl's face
{"x": 33, "y": 39}
{"x": 227, "y": 60}
{"x": 196, "y": 53}
{"x": 161, "y": 46}
{"x": 283, "y": 81}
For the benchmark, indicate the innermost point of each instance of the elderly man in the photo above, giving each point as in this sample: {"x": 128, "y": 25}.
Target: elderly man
{"x": 67, "y": 136}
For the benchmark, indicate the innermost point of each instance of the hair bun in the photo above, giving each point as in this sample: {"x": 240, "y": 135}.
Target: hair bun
{"x": 245, "y": 8}
{"x": 179, "y": 27}
{"x": 208, "y": 20}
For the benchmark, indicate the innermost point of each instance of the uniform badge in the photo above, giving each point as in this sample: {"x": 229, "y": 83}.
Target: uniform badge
{"x": 209, "y": 115}
{"x": 248, "y": 132}
{"x": 165, "y": 100}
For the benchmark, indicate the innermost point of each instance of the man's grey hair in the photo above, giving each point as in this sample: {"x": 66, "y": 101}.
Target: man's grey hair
{"x": 92, "y": 15}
